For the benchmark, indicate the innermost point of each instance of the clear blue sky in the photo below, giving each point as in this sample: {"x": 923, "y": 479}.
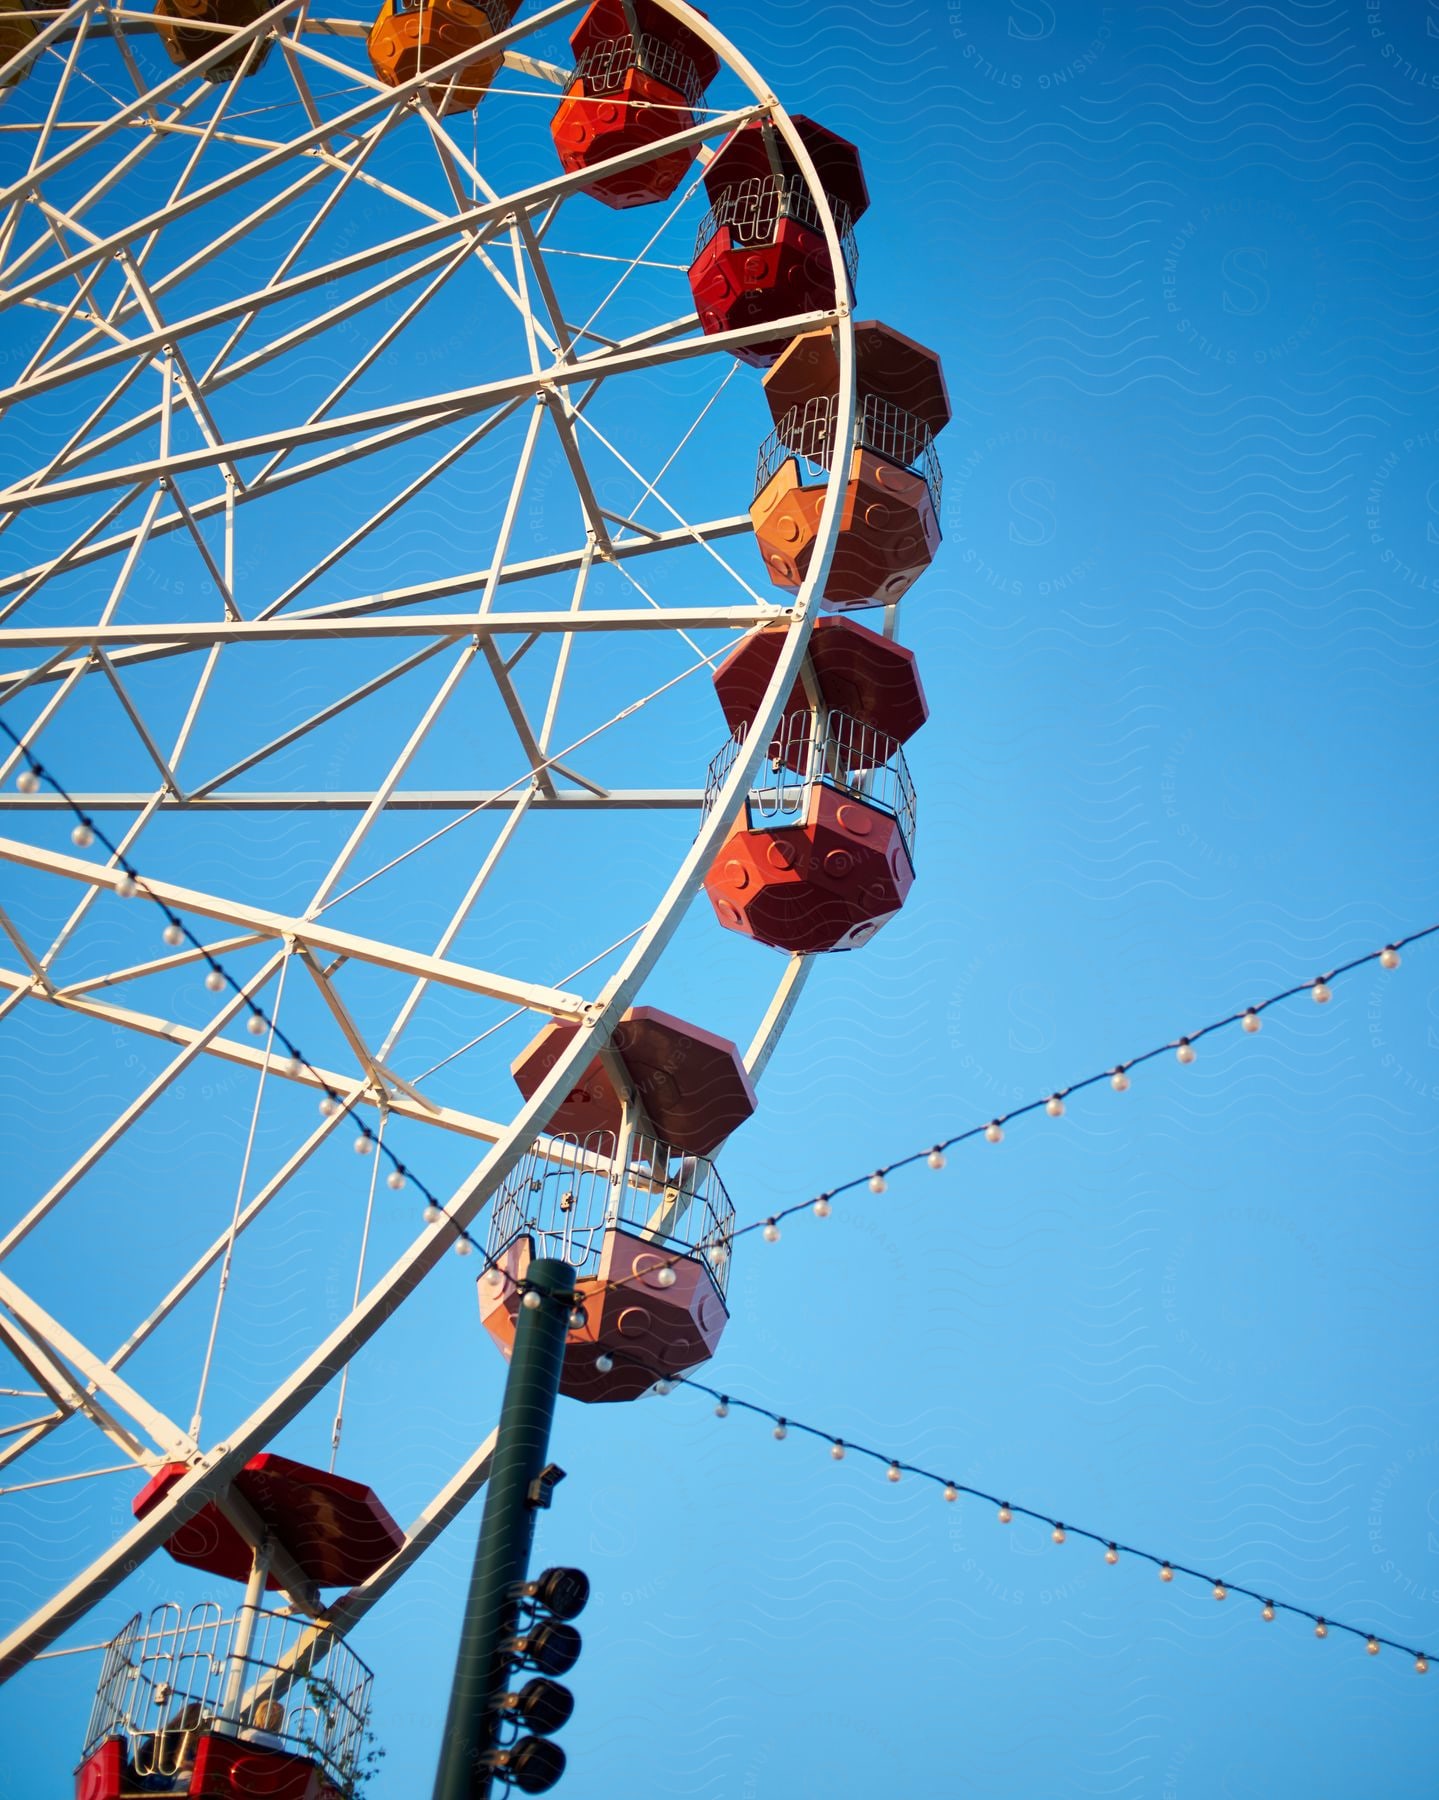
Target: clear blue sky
{"x": 1180, "y": 647}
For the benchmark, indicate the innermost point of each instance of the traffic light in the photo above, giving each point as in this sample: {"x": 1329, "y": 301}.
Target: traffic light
{"x": 562, "y": 1593}
{"x": 533, "y": 1765}
{"x": 543, "y": 1640}
{"x": 549, "y": 1645}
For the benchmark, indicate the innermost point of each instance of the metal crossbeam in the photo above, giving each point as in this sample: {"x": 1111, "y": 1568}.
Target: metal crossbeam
{"x": 297, "y": 628}
{"x": 311, "y": 932}
{"x": 426, "y": 409}
{"x": 56, "y": 1340}
{"x": 248, "y": 1055}
{"x": 402, "y": 800}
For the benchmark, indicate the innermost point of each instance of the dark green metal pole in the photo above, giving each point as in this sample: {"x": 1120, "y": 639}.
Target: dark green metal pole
{"x": 506, "y": 1529}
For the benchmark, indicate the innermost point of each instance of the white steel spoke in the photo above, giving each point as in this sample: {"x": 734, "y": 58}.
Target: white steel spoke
{"x": 178, "y": 959}
{"x": 387, "y": 511}
{"x": 167, "y": 774}
{"x": 299, "y": 626}
{"x": 434, "y": 408}
{"x": 529, "y": 198}
{"x": 315, "y": 1076}
{"x": 591, "y": 798}
{"x": 51, "y": 1336}
{"x": 67, "y": 1395}
{"x": 48, "y": 1201}
{"x": 294, "y": 931}
{"x": 32, "y": 962}
{"x": 315, "y": 720}
{"x": 439, "y": 588}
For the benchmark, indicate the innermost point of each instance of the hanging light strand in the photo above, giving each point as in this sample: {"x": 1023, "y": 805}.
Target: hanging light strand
{"x": 1114, "y": 1550}
{"x": 87, "y": 832}
{"x": 1117, "y": 1075}
{"x": 876, "y": 1181}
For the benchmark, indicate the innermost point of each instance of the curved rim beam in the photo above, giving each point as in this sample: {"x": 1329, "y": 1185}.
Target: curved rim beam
{"x": 216, "y": 1468}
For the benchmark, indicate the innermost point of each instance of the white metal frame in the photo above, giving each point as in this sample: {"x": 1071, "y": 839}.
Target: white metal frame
{"x": 112, "y": 322}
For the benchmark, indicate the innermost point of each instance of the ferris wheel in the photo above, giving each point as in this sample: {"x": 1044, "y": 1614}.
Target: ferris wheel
{"x": 441, "y": 471}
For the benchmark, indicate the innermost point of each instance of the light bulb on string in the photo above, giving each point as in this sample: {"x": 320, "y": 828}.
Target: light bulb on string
{"x": 1004, "y": 1515}
{"x": 28, "y": 781}
{"x": 217, "y": 979}
{"x": 1421, "y": 1664}
{"x": 530, "y": 1299}
{"x": 294, "y": 1068}
{"x": 822, "y": 1208}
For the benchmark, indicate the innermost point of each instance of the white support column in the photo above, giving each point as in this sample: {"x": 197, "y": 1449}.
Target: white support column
{"x": 230, "y": 1716}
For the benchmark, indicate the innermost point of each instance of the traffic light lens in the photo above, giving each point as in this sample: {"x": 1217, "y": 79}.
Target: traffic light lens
{"x": 552, "y": 1647}
{"x": 562, "y": 1592}
{"x": 543, "y": 1705}
{"x": 534, "y": 1765}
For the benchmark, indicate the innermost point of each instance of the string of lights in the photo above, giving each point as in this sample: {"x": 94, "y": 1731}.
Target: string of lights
{"x": 1006, "y": 1511}
{"x": 1249, "y": 1019}
{"x": 87, "y": 832}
